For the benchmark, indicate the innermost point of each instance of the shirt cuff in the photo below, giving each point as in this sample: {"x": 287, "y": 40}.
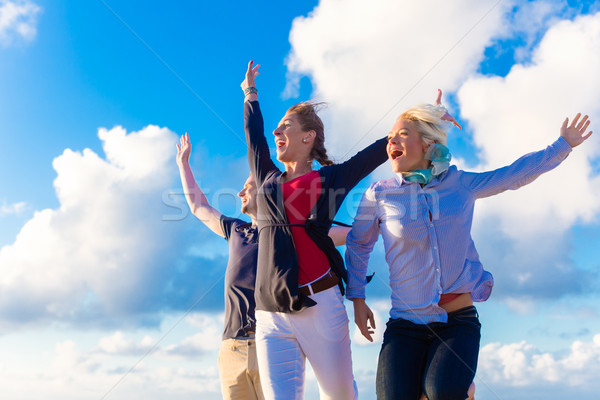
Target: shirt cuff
{"x": 354, "y": 292}
{"x": 562, "y": 146}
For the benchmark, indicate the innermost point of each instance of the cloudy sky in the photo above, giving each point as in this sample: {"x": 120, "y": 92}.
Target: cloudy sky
{"x": 109, "y": 289}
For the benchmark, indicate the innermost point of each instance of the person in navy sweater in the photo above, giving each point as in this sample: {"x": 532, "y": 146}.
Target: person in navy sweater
{"x": 238, "y": 367}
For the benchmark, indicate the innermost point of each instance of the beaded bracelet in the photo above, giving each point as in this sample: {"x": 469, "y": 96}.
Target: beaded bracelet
{"x": 250, "y": 89}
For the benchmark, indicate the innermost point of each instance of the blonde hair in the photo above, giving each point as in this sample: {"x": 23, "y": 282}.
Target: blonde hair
{"x": 427, "y": 119}
{"x": 310, "y": 121}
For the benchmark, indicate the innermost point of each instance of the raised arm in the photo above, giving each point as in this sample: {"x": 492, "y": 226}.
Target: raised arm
{"x": 259, "y": 156}
{"x": 195, "y": 197}
{"x": 527, "y": 168}
{"x": 363, "y": 163}
{"x": 248, "y": 84}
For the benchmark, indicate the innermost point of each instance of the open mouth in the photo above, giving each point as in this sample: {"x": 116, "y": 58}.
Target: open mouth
{"x": 396, "y": 153}
{"x": 279, "y": 143}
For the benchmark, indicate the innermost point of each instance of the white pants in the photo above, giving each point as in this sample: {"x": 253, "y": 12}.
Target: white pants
{"x": 319, "y": 333}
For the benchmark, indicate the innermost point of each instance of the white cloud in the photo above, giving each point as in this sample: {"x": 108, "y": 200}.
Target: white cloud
{"x": 207, "y": 340}
{"x": 107, "y": 234}
{"x": 367, "y": 59}
{"x": 118, "y": 344}
{"x": 523, "y": 112}
{"x": 18, "y": 20}
{"x": 10, "y": 209}
{"x": 522, "y": 364}
{"x": 364, "y": 60}
{"x": 529, "y": 21}
{"x": 91, "y": 364}
{"x": 73, "y": 370}
{"x": 107, "y": 254}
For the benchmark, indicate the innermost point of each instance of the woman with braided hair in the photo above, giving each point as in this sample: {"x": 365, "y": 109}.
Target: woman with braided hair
{"x": 300, "y": 311}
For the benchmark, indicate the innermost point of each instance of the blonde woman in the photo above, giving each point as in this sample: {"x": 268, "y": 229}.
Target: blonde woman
{"x": 424, "y": 215}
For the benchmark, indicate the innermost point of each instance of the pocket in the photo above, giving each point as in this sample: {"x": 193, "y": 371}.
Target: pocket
{"x": 331, "y": 319}
{"x": 467, "y": 319}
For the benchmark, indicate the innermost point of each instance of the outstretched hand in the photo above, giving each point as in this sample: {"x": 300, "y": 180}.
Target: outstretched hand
{"x": 364, "y": 318}
{"x": 446, "y": 116}
{"x": 574, "y": 134}
{"x": 184, "y": 149}
{"x": 251, "y": 73}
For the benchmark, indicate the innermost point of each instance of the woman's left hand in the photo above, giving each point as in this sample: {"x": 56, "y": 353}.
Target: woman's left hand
{"x": 574, "y": 134}
{"x": 251, "y": 73}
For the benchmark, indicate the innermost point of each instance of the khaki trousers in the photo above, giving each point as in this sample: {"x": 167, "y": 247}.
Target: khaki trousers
{"x": 238, "y": 369}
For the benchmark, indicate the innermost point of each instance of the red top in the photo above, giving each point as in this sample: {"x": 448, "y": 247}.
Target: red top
{"x": 300, "y": 196}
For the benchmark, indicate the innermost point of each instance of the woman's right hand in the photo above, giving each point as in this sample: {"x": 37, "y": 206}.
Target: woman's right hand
{"x": 364, "y": 318}
{"x": 184, "y": 149}
{"x": 251, "y": 73}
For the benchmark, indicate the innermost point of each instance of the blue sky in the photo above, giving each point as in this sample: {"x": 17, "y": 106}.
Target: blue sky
{"x": 110, "y": 289}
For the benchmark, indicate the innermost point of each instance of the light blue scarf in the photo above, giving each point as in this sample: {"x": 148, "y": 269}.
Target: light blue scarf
{"x": 440, "y": 157}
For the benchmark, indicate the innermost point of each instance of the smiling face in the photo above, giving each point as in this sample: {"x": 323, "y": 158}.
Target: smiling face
{"x": 293, "y": 143}
{"x": 248, "y": 196}
{"x": 406, "y": 150}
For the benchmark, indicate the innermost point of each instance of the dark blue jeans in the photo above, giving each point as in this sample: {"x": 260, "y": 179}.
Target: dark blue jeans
{"x": 438, "y": 359}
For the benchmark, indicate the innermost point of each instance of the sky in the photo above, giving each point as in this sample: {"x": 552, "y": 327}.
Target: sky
{"x": 110, "y": 289}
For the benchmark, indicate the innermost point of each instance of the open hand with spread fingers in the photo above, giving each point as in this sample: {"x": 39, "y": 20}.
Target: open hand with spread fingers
{"x": 574, "y": 133}
{"x": 184, "y": 149}
{"x": 446, "y": 116}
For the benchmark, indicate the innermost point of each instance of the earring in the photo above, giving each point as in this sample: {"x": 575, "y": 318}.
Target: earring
{"x": 304, "y": 140}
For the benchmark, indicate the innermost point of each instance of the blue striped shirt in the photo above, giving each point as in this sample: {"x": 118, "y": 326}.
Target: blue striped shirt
{"x": 427, "y": 233}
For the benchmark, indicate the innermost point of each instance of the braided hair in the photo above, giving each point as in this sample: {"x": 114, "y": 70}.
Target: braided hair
{"x": 310, "y": 121}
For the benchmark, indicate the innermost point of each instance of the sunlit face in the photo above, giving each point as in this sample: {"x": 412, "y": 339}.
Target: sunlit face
{"x": 248, "y": 196}
{"x": 293, "y": 143}
{"x": 405, "y": 148}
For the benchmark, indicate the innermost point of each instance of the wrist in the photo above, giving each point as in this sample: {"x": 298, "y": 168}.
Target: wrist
{"x": 358, "y": 299}
{"x": 249, "y": 90}
{"x": 250, "y": 97}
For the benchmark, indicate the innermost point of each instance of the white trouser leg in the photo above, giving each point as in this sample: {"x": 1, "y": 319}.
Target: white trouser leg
{"x": 280, "y": 358}
{"x": 319, "y": 333}
{"x": 322, "y": 332}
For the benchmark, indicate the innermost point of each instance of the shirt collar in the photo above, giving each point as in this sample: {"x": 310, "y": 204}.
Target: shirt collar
{"x": 400, "y": 179}
{"x": 436, "y": 180}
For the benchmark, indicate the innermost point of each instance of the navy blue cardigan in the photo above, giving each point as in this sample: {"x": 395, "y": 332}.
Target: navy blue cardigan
{"x": 277, "y": 271}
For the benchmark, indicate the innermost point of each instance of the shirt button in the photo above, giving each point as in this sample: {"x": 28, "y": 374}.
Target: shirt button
{"x": 435, "y": 247}
{"x": 439, "y": 292}
{"x": 437, "y": 270}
